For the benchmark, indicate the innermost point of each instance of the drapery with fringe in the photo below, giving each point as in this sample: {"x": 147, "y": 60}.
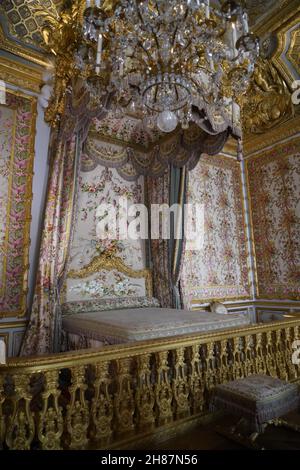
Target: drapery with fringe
{"x": 43, "y": 332}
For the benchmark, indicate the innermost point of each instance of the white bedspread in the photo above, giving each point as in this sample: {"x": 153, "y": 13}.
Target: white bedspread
{"x": 122, "y": 326}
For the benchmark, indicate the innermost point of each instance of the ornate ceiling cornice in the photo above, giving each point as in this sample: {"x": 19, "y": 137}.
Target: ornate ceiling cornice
{"x": 285, "y": 51}
{"x": 283, "y": 14}
{"x": 293, "y": 54}
{"x": 21, "y": 22}
{"x": 285, "y": 130}
{"x": 8, "y": 45}
{"x": 29, "y": 78}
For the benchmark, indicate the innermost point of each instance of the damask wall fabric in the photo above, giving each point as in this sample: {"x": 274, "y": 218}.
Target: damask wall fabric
{"x": 274, "y": 184}
{"x": 17, "y": 124}
{"x": 102, "y": 185}
{"x": 218, "y": 269}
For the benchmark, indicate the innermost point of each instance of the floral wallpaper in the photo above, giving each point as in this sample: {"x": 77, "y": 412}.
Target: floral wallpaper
{"x": 274, "y": 185}
{"x": 103, "y": 185}
{"x": 218, "y": 269}
{"x": 17, "y": 122}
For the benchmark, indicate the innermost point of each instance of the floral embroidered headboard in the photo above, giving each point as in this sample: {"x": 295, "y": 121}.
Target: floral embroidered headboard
{"x": 105, "y": 272}
{"x": 107, "y": 283}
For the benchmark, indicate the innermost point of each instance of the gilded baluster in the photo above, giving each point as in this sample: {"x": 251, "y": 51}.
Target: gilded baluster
{"x": 196, "y": 381}
{"x": 260, "y": 357}
{"x": 224, "y": 364}
{"x": 50, "y": 424}
{"x": 2, "y": 416}
{"x": 124, "y": 404}
{"x": 296, "y": 330}
{"x": 21, "y": 428}
{"x": 163, "y": 389}
{"x": 210, "y": 369}
{"x": 288, "y": 353}
{"x": 102, "y": 405}
{"x": 145, "y": 396}
{"x": 282, "y": 371}
{"x": 270, "y": 355}
{"x": 77, "y": 418}
{"x": 237, "y": 359}
{"x": 248, "y": 362}
{"x": 180, "y": 385}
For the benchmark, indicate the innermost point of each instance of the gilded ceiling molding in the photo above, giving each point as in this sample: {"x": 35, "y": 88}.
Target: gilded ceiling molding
{"x": 28, "y": 54}
{"x": 230, "y": 148}
{"x": 268, "y": 100}
{"x": 279, "y": 23}
{"x": 278, "y": 18}
{"x": 293, "y": 53}
{"x": 20, "y": 75}
{"x": 21, "y": 22}
{"x": 285, "y": 130}
{"x": 282, "y": 37}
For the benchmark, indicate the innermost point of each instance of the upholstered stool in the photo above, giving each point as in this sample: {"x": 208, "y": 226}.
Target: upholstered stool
{"x": 257, "y": 400}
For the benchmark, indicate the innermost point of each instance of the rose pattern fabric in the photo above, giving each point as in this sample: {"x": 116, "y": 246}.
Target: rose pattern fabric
{"x": 274, "y": 184}
{"x": 40, "y": 337}
{"x": 17, "y": 121}
{"x": 219, "y": 270}
{"x": 117, "y": 286}
{"x": 98, "y": 186}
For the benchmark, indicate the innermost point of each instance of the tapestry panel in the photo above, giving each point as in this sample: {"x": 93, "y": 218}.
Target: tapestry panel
{"x": 218, "y": 268}
{"x": 274, "y": 185}
{"x": 17, "y": 124}
{"x": 105, "y": 268}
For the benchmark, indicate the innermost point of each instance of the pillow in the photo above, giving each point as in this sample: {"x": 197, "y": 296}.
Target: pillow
{"x": 87, "y": 306}
{"x": 218, "y": 307}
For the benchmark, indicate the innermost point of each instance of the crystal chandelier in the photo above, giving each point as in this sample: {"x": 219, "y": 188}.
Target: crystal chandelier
{"x": 170, "y": 60}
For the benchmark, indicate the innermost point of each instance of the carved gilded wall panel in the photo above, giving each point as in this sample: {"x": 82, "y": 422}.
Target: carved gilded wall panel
{"x": 274, "y": 186}
{"x": 219, "y": 270}
{"x": 17, "y": 123}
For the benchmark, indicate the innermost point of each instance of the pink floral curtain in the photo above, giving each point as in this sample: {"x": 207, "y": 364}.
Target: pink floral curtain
{"x": 42, "y": 335}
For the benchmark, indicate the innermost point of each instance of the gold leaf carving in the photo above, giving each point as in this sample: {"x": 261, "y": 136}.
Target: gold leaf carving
{"x": 268, "y": 100}
{"x": 109, "y": 263}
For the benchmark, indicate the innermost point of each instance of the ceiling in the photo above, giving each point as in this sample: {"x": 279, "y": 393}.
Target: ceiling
{"x": 21, "y": 23}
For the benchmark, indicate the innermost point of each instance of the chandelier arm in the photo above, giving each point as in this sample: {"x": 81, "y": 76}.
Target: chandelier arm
{"x": 176, "y": 91}
{"x": 146, "y": 52}
{"x": 155, "y": 95}
{"x": 158, "y": 10}
{"x": 174, "y": 35}
{"x": 157, "y": 45}
{"x": 139, "y": 14}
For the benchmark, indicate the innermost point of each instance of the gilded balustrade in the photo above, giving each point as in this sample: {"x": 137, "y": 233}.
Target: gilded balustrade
{"x": 100, "y": 398}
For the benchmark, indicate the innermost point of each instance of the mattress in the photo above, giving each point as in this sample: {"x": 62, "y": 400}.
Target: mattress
{"x": 129, "y": 325}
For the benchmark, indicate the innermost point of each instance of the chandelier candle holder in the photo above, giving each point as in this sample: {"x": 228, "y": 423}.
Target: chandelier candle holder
{"x": 166, "y": 60}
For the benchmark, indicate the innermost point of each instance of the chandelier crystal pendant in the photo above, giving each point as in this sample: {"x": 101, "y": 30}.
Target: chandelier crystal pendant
{"x": 166, "y": 59}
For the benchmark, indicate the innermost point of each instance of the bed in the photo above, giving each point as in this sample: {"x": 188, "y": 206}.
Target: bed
{"x": 97, "y": 329}
{"x": 96, "y": 323}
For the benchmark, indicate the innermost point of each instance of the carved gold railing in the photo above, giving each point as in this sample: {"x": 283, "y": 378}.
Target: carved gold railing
{"x": 100, "y": 398}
